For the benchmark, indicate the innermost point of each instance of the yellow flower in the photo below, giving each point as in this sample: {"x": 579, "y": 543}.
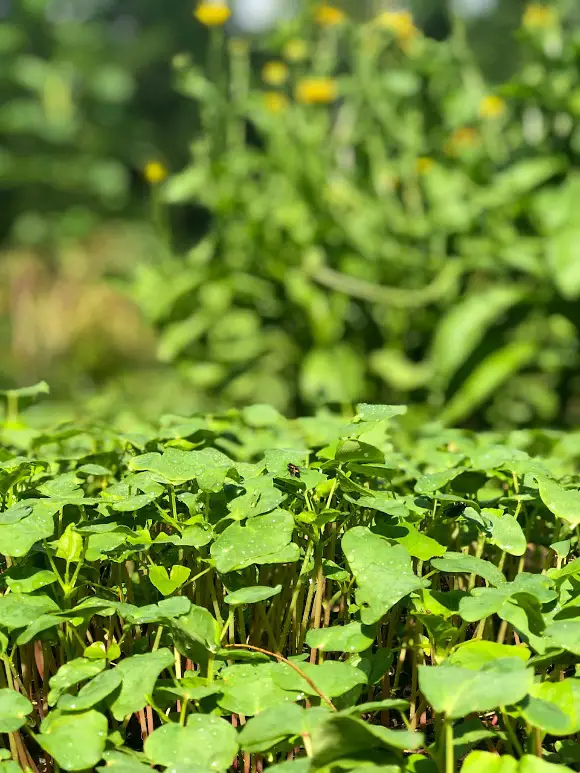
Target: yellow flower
{"x": 212, "y": 14}
{"x": 462, "y": 139}
{"x": 275, "y": 102}
{"x": 328, "y": 16}
{"x": 155, "y": 172}
{"x": 424, "y": 164}
{"x": 316, "y": 91}
{"x": 539, "y": 16}
{"x": 275, "y": 73}
{"x": 400, "y": 23}
{"x": 295, "y": 50}
{"x": 492, "y": 106}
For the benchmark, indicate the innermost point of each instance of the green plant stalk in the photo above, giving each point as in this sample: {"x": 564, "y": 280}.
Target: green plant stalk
{"x": 513, "y": 739}
{"x": 226, "y": 625}
{"x": 320, "y": 588}
{"x": 295, "y": 594}
{"x": 215, "y": 602}
{"x": 449, "y": 748}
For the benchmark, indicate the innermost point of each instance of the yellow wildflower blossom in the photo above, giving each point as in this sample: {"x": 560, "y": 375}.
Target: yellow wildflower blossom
{"x": 424, "y": 164}
{"x": 212, "y": 14}
{"x": 295, "y": 50}
{"x": 155, "y": 172}
{"x": 539, "y": 16}
{"x": 400, "y": 23}
{"x": 275, "y": 73}
{"x": 316, "y": 91}
{"x": 328, "y": 15}
{"x": 492, "y": 106}
{"x": 275, "y": 102}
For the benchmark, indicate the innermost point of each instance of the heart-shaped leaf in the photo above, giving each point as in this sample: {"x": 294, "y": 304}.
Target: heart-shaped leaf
{"x": 14, "y": 708}
{"x": 261, "y": 538}
{"x": 384, "y": 573}
{"x": 352, "y": 637}
{"x": 564, "y": 503}
{"x": 92, "y": 693}
{"x": 138, "y": 674}
{"x": 76, "y": 741}
{"x": 166, "y": 583}
{"x": 205, "y": 742}
{"x": 463, "y": 563}
{"x": 456, "y": 691}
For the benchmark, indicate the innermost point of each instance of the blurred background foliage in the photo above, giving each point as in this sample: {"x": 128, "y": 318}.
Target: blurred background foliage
{"x": 401, "y": 228}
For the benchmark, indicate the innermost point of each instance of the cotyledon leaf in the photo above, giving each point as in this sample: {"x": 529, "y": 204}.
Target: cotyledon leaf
{"x": 565, "y": 634}
{"x": 28, "y": 579}
{"x": 206, "y": 741}
{"x": 208, "y": 466}
{"x": 429, "y": 484}
{"x": 564, "y": 503}
{"x": 272, "y": 726}
{"x": 76, "y": 741}
{"x": 477, "y": 652}
{"x": 122, "y": 763}
{"x": 239, "y": 546}
{"x": 384, "y": 573}
{"x": 352, "y": 637}
{"x": 18, "y": 610}
{"x": 93, "y": 692}
{"x": 484, "y": 602}
{"x": 16, "y": 539}
{"x": 504, "y": 531}
{"x": 371, "y": 412}
{"x": 14, "y": 708}
{"x": 464, "y": 563}
{"x": 332, "y": 677}
{"x": 343, "y": 737}
{"x": 251, "y": 595}
{"x": 488, "y": 762}
{"x": 456, "y": 691}
{"x": 554, "y": 707}
{"x": 251, "y": 689}
{"x": 166, "y": 583}
{"x": 415, "y": 542}
{"x": 139, "y": 674}
{"x": 72, "y": 673}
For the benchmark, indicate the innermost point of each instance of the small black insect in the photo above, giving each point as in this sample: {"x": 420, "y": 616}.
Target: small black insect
{"x": 294, "y": 470}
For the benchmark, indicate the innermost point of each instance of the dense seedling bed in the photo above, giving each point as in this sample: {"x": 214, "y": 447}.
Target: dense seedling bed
{"x": 240, "y": 592}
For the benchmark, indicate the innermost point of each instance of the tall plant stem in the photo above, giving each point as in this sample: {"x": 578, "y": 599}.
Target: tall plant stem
{"x": 320, "y": 587}
{"x": 294, "y": 599}
{"x": 449, "y": 750}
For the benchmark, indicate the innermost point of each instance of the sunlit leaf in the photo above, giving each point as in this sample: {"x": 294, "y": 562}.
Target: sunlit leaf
{"x": 457, "y": 691}
{"x": 206, "y": 742}
{"x": 384, "y": 574}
